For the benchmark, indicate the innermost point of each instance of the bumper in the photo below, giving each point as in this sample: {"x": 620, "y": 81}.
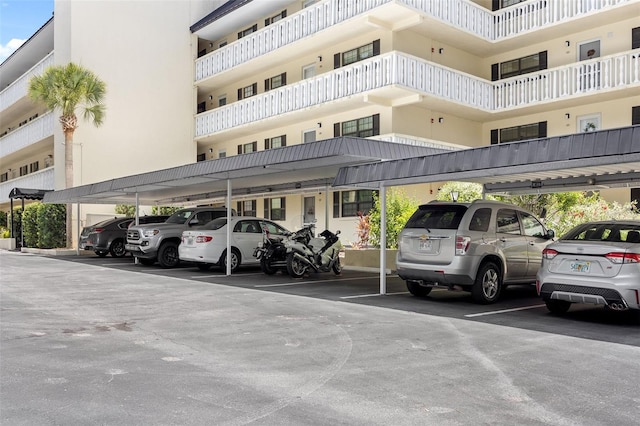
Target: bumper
{"x": 140, "y": 251}
{"x": 458, "y": 272}
{"x": 596, "y": 293}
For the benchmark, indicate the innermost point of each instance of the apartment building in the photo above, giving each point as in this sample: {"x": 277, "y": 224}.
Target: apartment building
{"x": 219, "y": 79}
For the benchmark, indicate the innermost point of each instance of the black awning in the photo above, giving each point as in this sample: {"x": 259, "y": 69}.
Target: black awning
{"x": 28, "y": 193}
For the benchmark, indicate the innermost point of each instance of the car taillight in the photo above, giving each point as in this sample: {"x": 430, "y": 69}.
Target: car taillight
{"x": 621, "y": 257}
{"x": 462, "y": 244}
{"x": 203, "y": 238}
{"x": 98, "y": 230}
{"x": 549, "y": 253}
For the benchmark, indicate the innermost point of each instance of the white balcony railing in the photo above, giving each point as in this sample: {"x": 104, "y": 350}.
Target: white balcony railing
{"x": 462, "y": 14}
{"x": 27, "y": 135}
{"x": 43, "y": 179}
{"x": 424, "y": 77}
{"x": 18, "y": 89}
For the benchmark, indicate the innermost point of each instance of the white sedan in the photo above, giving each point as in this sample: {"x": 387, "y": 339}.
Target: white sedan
{"x": 207, "y": 245}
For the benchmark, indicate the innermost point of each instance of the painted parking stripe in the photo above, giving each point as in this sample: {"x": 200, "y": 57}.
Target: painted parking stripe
{"x": 312, "y": 282}
{"x": 504, "y": 311}
{"x": 373, "y": 295}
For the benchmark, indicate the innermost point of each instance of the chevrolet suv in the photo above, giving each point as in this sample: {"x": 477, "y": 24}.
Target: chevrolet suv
{"x": 148, "y": 243}
{"x": 479, "y": 247}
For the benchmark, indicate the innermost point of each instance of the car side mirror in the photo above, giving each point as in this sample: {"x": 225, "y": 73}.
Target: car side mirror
{"x": 550, "y": 234}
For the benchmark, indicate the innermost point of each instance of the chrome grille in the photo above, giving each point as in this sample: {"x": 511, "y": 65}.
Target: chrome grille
{"x": 133, "y": 235}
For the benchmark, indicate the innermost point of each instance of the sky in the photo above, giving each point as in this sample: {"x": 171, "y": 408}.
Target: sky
{"x": 19, "y": 20}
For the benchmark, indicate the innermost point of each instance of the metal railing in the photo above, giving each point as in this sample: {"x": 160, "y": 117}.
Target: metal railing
{"x": 27, "y": 134}
{"x": 424, "y": 77}
{"x": 43, "y": 179}
{"x": 18, "y": 89}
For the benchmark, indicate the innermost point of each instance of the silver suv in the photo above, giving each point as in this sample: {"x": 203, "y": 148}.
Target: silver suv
{"x": 479, "y": 247}
{"x": 160, "y": 241}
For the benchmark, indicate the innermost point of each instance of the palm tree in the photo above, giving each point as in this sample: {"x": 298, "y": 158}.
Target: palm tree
{"x": 66, "y": 88}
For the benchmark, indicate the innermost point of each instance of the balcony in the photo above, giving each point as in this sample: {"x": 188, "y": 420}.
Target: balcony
{"x": 18, "y": 89}
{"x": 27, "y": 135}
{"x": 474, "y": 26}
{"x": 397, "y": 79}
{"x": 43, "y": 179}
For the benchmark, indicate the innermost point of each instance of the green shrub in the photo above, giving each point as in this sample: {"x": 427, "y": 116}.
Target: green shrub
{"x": 159, "y": 210}
{"x": 52, "y": 226}
{"x": 30, "y": 224}
{"x": 400, "y": 207}
{"x": 3, "y": 219}
{"x": 15, "y": 222}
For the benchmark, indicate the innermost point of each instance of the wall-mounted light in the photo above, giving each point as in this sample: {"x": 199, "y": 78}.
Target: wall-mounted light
{"x": 210, "y": 150}
{"x": 567, "y": 116}
{"x": 567, "y": 43}
{"x": 210, "y": 44}
{"x": 298, "y": 185}
{"x": 210, "y": 97}
{"x": 319, "y": 58}
{"x": 441, "y": 120}
{"x": 319, "y": 124}
{"x": 454, "y": 196}
{"x": 441, "y": 50}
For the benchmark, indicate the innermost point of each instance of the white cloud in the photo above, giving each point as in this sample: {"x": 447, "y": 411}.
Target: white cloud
{"x": 9, "y": 48}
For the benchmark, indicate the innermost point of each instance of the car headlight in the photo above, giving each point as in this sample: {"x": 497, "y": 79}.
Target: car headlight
{"x": 149, "y": 232}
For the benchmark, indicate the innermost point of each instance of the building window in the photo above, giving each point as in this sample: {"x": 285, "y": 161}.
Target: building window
{"x": 357, "y": 54}
{"x": 222, "y": 100}
{"x": 275, "y": 18}
{"x": 524, "y": 65}
{"x": 246, "y": 208}
{"x": 360, "y": 127}
{"x": 223, "y": 43}
{"x": 635, "y": 115}
{"x": 275, "y": 82}
{"x": 247, "y": 92}
{"x": 247, "y": 148}
{"x": 4, "y": 177}
{"x": 588, "y": 123}
{"x": 308, "y": 136}
{"x": 499, "y": 4}
{"x": 201, "y": 157}
{"x": 277, "y": 142}
{"x": 202, "y": 52}
{"x": 349, "y": 203}
{"x": 519, "y": 133}
{"x": 34, "y": 167}
{"x": 274, "y": 208}
{"x": 248, "y": 31}
{"x": 222, "y": 153}
{"x": 24, "y": 170}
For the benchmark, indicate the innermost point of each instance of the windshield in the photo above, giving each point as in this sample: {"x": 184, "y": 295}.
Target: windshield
{"x": 216, "y": 223}
{"x": 180, "y": 216}
{"x": 434, "y": 216}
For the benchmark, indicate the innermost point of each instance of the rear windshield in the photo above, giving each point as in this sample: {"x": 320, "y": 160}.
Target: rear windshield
{"x": 614, "y": 232}
{"x": 433, "y": 216}
{"x": 216, "y": 223}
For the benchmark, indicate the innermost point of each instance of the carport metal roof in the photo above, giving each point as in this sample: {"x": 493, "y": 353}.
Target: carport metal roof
{"x": 291, "y": 168}
{"x": 594, "y": 160}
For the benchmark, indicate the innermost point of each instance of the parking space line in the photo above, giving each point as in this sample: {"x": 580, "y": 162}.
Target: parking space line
{"x": 504, "y": 311}
{"x": 373, "y": 295}
{"x": 311, "y": 282}
{"x": 195, "y": 277}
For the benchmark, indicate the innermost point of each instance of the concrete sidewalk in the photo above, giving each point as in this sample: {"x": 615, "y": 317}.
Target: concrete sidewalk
{"x": 85, "y": 345}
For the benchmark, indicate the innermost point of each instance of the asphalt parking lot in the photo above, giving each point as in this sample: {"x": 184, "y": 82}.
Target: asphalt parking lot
{"x": 88, "y": 340}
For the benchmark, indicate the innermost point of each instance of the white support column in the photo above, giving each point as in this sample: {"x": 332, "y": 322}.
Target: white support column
{"x": 228, "y": 272}
{"x": 326, "y": 207}
{"x": 383, "y": 238}
{"x": 135, "y": 259}
{"x": 79, "y": 229}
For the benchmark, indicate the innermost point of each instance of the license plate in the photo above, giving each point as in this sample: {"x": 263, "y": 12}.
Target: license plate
{"x": 130, "y": 247}
{"x": 425, "y": 245}
{"x": 190, "y": 241}
{"x": 580, "y": 267}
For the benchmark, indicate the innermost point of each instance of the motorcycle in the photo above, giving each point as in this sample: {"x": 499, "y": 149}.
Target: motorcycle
{"x": 272, "y": 253}
{"x": 306, "y": 253}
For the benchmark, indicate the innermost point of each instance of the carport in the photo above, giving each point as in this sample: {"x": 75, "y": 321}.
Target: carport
{"x": 583, "y": 161}
{"x": 291, "y": 169}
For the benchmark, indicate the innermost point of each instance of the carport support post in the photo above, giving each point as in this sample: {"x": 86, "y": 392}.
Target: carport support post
{"x": 135, "y": 259}
{"x": 228, "y": 227}
{"x": 79, "y": 230}
{"x": 383, "y": 238}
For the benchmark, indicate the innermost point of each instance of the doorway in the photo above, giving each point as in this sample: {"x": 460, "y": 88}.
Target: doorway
{"x": 309, "y": 205}
{"x": 589, "y": 72}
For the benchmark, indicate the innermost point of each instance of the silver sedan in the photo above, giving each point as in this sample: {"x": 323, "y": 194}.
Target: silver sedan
{"x": 596, "y": 263}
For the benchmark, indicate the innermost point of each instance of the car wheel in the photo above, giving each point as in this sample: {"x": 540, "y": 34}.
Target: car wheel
{"x": 146, "y": 262}
{"x": 117, "y": 248}
{"x": 295, "y": 267}
{"x": 337, "y": 266}
{"x": 265, "y": 265}
{"x": 235, "y": 260}
{"x": 488, "y": 284}
{"x": 557, "y": 307}
{"x": 417, "y": 290}
{"x": 168, "y": 255}
{"x": 102, "y": 253}
{"x": 204, "y": 266}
